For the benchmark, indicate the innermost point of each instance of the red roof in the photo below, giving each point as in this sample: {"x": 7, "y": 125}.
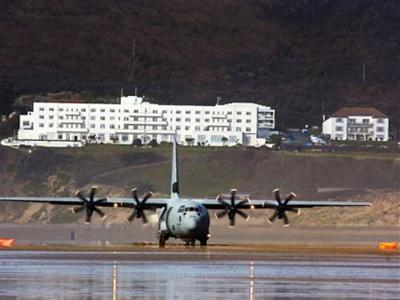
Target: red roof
{"x": 359, "y": 111}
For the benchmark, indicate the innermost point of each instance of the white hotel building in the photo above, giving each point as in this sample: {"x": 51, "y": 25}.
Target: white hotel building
{"x": 133, "y": 118}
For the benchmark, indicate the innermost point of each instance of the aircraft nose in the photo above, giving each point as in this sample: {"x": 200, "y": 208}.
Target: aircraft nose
{"x": 191, "y": 223}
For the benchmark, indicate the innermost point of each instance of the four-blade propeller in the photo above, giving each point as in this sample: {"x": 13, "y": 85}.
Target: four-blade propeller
{"x": 89, "y": 205}
{"x": 282, "y": 207}
{"x": 138, "y": 209}
{"x": 229, "y": 202}
{"x": 232, "y": 208}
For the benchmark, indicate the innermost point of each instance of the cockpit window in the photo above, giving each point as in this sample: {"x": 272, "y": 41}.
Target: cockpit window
{"x": 181, "y": 209}
{"x": 191, "y": 209}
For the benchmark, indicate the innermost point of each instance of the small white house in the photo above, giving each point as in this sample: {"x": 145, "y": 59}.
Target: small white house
{"x": 357, "y": 124}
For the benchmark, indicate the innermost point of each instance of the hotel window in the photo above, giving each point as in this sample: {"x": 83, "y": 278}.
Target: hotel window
{"x": 178, "y": 119}
{"x": 41, "y": 125}
{"x": 51, "y": 117}
{"x": 339, "y": 128}
{"x": 154, "y": 119}
{"x": 41, "y": 117}
{"x": 229, "y": 113}
{"x": 61, "y": 117}
{"x": 207, "y": 112}
{"x": 102, "y": 118}
{"x": 198, "y": 112}
{"x": 187, "y": 127}
{"x": 92, "y": 110}
{"x": 197, "y": 120}
{"x": 102, "y": 110}
{"x": 248, "y": 113}
{"x": 164, "y": 111}
{"x": 155, "y": 111}
{"x": 83, "y": 109}
{"x": 112, "y": 110}
{"x": 51, "y": 109}
{"x": 238, "y": 129}
{"x": 207, "y": 120}
{"x": 248, "y": 129}
{"x": 154, "y": 127}
{"x": 178, "y": 127}
{"x": 339, "y": 120}
{"x": 239, "y": 113}
{"x": 126, "y": 110}
{"x": 178, "y": 111}
{"x": 238, "y": 121}
{"x": 126, "y": 119}
{"x": 92, "y": 126}
{"x": 41, "y": 108}
{"x": 187, "y": 120}
{"x": 93, "y": 118}
{"x": 248, "y": 121}
{"x": 102, "y": 126}
{"x": 135, "y": 118}
{"x": 188, "y": 112}
{"x": 380, "y": 121}
{"x": 112, "y": 118}
{"x": 197, "y": 128}
{"x": 380, "y": 129}
{"x": 51, "y": 125}
{"x": 112, "y": 126}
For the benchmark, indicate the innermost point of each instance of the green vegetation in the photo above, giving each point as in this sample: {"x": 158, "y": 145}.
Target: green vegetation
{"x": 296, "y": 57}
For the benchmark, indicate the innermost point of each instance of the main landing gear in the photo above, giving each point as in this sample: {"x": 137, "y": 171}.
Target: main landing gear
{"x": 162, "y": 238}
{"x": 192, "y": 242}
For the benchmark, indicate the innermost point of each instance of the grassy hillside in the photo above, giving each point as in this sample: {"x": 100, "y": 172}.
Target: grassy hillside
{"x": 204, "y": 172}
{"x": 293, "y": 55}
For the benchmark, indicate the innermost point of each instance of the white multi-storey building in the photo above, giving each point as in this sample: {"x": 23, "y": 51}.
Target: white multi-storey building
{"x": 133, "y": 118}
{"x": 357, "y": 124}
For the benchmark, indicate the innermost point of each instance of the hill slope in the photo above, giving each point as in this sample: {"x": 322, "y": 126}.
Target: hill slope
{"x": 205, "y": 172}
{"x": 292, "y": 54}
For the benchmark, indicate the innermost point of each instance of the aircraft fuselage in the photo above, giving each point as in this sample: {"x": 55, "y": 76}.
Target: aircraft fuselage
{"x": 185, "y": 219}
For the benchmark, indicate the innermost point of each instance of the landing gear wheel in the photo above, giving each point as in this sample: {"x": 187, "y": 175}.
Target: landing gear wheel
{"x": 162, "y": 238}
{"x": 203, "y": 242}
{"x": 161, "y": 241}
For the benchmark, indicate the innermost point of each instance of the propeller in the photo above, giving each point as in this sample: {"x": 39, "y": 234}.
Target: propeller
{"x": 282, "y": 207}
{"x": 89, "y": 205}
{"x": 232, "y": 208}
{"x": 138, "y": 209}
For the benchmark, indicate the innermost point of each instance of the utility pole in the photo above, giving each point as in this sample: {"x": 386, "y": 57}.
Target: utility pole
{"x": 133, "y": 61}
{"x": 363, "y": 72}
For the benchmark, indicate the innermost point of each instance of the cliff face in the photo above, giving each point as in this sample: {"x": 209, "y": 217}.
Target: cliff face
{"x": 293, "y": 55}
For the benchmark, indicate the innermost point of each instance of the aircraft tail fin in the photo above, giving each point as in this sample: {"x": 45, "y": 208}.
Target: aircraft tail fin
{"x": 174, "y": 171}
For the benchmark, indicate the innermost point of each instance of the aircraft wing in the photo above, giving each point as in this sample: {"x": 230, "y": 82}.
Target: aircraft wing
{"x": 265, "y": 203}
{"x": 106, "y": 202}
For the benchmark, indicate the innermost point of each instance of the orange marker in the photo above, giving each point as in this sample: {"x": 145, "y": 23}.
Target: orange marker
{"x": 7, "y": 243}
{"x": 387, "y": 246}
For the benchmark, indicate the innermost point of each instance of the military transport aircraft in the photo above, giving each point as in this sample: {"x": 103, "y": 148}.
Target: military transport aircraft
{"x": 183, "y": 218}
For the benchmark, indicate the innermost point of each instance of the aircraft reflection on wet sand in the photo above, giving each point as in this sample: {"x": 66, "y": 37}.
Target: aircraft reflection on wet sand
{"x": 153, "y": 275}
